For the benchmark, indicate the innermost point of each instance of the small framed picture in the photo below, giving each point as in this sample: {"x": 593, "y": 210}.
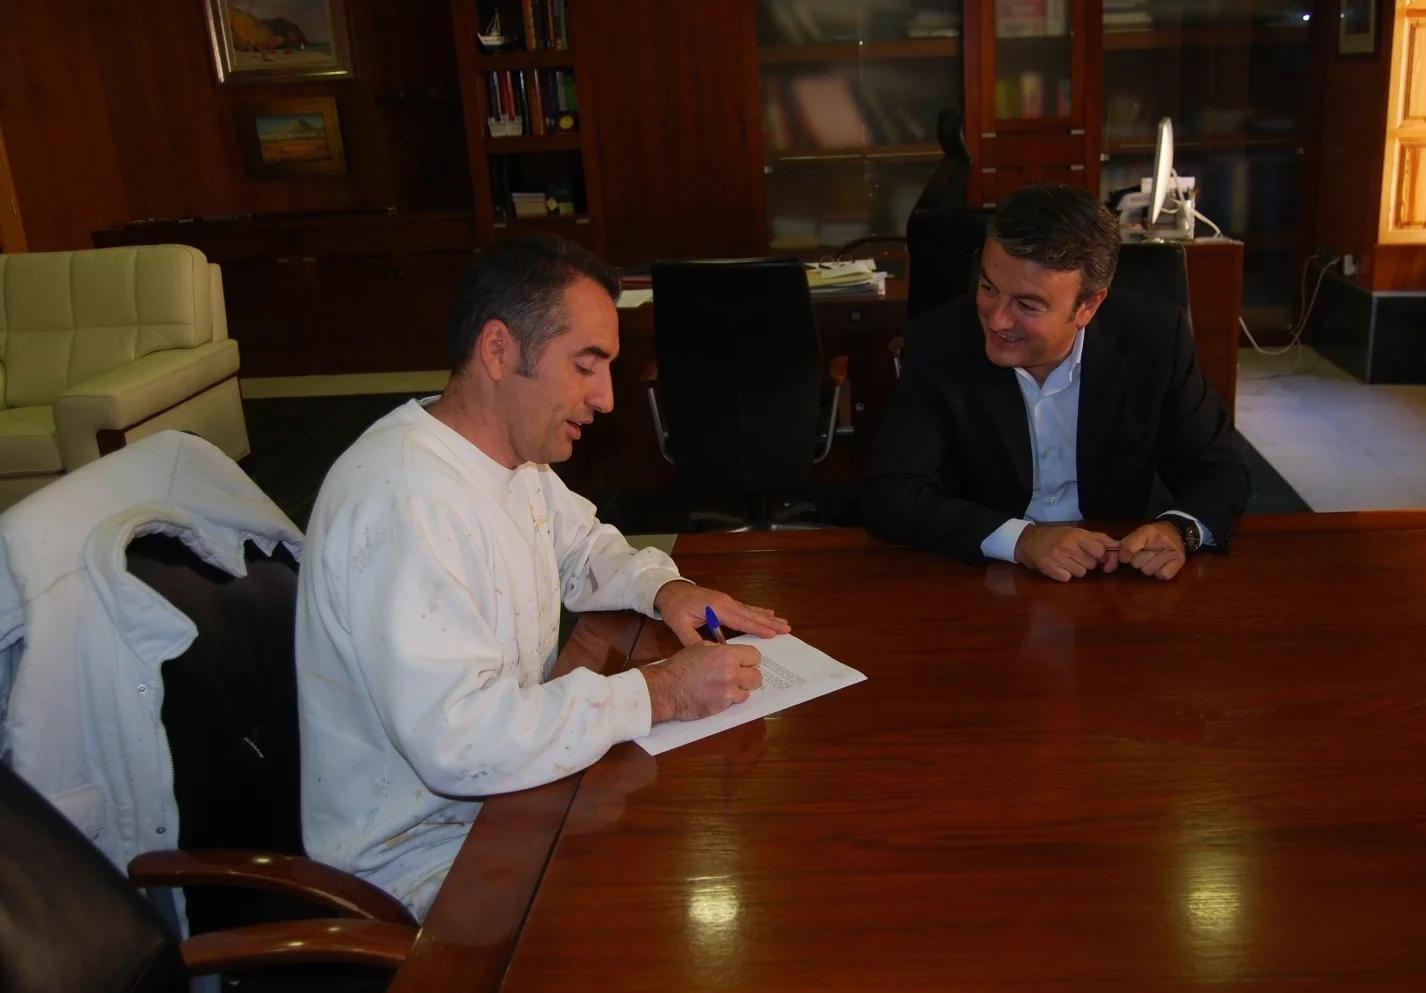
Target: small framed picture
{"x": 1356, "y": 27}
{"x": 286, "y": 138}
{"x": 267, "y": 41}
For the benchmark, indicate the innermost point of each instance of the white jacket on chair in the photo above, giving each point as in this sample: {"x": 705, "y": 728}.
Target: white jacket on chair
{"x": 82, "y": 640}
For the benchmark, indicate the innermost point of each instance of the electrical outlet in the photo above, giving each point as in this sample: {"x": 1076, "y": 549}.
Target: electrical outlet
{"x": 1349, "y": 264}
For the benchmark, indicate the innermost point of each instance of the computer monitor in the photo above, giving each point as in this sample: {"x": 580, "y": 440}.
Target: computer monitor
{"x": 1163, "y": 170}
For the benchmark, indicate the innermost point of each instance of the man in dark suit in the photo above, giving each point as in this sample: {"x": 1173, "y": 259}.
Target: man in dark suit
{"x": 1044, "y": 399}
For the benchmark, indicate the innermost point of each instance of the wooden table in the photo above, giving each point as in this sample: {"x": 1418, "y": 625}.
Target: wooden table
{"x": 1117, "y": 784}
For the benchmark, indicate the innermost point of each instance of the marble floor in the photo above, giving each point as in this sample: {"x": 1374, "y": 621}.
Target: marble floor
{"x": 1341, "y": 444}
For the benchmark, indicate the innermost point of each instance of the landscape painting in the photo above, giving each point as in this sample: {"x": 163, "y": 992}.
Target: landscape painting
{"x": 292, "y": 138}
{"x": 283, "y": 138}
{"x": 272, "y": 40}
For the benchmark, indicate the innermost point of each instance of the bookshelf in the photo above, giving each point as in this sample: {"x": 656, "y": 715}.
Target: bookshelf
{"x": 849, "y": 95}
{"x": 530, "y": 147}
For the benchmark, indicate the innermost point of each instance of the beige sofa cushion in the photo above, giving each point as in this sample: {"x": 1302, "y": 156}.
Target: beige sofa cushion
{"x": 124, "y": 396}
{"x": 28, "y": 445}
{"x": 68, "y": 317}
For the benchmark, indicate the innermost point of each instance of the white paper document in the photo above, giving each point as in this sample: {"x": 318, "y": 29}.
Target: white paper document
{"x": 793, "y": 672}
{"x": 630, "y": 299}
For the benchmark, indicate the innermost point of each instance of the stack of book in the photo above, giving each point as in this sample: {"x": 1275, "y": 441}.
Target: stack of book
{"x": 533, "y": 101}
{"x": 845, "y": 279}
{"x": 530, "y": 205}
{"x": 1127, "y": 15}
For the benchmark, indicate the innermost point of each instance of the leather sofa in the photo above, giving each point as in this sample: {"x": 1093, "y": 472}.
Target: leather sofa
{"x": 104, "y": 347}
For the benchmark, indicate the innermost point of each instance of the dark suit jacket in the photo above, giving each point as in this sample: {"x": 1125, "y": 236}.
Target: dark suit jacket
{"x": 952, "y": 461}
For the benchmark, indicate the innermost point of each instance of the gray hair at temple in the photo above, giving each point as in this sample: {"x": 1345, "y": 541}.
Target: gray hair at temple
{"x": 521, "y": 281}
{"x": 1060, "y": 227}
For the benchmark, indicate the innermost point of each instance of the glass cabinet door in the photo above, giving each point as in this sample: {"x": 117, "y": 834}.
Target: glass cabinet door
{"x": 851, "y": 91}
{"x": 1232, "y": 76}
{"x": 1034, "y": 59}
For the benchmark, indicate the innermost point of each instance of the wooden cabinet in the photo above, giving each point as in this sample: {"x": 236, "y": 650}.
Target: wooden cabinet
{"x": 330, "y": 294}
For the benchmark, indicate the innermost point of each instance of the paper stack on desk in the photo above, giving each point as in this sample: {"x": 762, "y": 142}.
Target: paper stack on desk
{"x": 793, "y": 672}
{"x": 834, "y": 279}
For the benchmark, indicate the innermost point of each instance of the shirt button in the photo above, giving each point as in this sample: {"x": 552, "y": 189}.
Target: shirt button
{"x": 143, "y": 688}
{"x": 1053, "y": 499}
{"x": 1047, "y": 451}
{"x": 162, "y": 830}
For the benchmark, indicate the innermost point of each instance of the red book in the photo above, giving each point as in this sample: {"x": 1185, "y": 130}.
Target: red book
{"x": 527, "y": 7}
{"x": 507, "y": 96}
{"x": 551, "y": 36}
{"x": 536, "y": 98}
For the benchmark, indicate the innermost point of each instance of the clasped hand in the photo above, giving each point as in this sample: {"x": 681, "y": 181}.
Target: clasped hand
{"x": 1064, "y": 552}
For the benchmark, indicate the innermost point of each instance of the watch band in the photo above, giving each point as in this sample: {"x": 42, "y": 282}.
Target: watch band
{"x": 1187, "y": 530}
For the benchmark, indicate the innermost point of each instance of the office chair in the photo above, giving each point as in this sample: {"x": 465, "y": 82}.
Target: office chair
{"x": 70, "y": 921}
{"x": 947, "y": 187}
{"x": 741, "y": 375}
{"x": 230, "y": 714}
{"x": 945, "y": 191}
{"x": 1154, "y": 269}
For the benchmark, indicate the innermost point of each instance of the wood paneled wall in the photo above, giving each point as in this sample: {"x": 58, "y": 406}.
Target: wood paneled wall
{"x": 670, "y": 83}
{"x": 1347, "y": 143}
{"x": 113, "y": 112}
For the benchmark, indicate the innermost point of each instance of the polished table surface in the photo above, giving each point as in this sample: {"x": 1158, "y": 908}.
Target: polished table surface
{"x": 1117, "y": 784}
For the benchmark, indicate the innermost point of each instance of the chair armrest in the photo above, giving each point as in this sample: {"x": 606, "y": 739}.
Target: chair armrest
{"x": 127, "y": 394}
{"x": 372, "y": 943}
{"x": 292, "y": 875}
{"x": 649, "y": 379}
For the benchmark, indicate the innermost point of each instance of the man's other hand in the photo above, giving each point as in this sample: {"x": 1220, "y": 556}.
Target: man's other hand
{"x": 682, "y": 606}
{"x": 1063, "y": 552}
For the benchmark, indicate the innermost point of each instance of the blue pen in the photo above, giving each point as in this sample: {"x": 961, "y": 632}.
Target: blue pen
{"x": 714, "y": 628}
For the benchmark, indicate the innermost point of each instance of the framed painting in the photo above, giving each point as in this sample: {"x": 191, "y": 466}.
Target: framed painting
{"x": 286, "y": 138}
{"x": 1356, "y": 27}
{"x": 264, "y": 41}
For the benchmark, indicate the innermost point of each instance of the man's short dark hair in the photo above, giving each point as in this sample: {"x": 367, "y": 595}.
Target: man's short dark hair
{"x": 1060, "y": 227}
{"x": 521, "y": 281}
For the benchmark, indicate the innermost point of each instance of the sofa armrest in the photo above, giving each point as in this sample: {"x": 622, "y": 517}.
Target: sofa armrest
{"x": 135, "y": 391}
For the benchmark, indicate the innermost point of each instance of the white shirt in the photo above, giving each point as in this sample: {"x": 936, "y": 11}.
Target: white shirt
{"x": 1052, "y": 410}
{"x": 427, "y": 622}
{"x": 82, "y": 641}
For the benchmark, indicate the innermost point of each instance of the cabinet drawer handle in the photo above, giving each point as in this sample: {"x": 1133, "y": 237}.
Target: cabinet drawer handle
{"x": 1076, "y": 132}
{"x": 1077, "y": 168}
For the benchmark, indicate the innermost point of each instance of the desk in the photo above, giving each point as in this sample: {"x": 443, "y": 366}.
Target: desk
{"x": 618, "y": 449}
{"x": 1116, "y": 784}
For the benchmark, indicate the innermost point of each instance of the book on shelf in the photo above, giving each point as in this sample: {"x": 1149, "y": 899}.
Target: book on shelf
{"x": 529, "y": 101}
{"x": 536, "y": 110}
{"x": 828, "y": 113}
{"x": 546, "y": 25}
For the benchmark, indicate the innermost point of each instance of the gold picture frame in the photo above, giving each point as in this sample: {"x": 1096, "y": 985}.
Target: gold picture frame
{"x": 267, "y": 41}
{"x": 282, "y": 139}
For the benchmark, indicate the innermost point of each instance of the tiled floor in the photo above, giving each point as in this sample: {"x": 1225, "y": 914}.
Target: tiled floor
{"x": 1341, "y": 444}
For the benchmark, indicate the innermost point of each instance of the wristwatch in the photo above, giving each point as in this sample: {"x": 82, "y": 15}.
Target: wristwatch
{"x": 1188, "y": 530}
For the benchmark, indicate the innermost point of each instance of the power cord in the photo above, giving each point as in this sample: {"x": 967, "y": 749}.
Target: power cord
{"x": 1296, "y": 340}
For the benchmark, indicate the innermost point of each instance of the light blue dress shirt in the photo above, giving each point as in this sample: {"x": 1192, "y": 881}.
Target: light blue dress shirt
{"x": 1053, "y": 414}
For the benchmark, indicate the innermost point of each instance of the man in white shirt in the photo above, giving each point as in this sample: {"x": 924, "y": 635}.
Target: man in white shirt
{"x": 438, "y": 553}
{"x": 1046, "y": 398}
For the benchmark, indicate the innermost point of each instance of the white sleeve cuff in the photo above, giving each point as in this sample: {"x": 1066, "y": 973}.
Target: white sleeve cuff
{"x": 1207, "y": 534}
{"x": 1000, "y": 543}
{"x": 647, "y": 587}
{"x": 630, "y": 711}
